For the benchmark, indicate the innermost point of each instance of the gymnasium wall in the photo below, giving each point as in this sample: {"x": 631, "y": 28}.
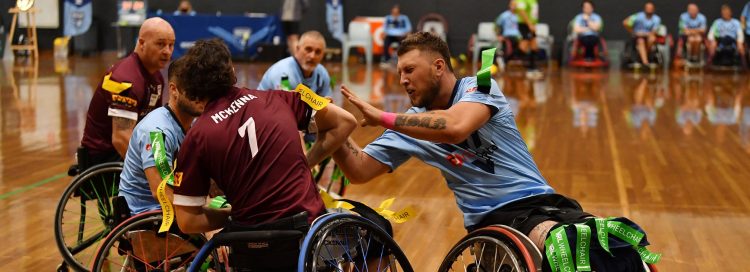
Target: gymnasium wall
{"x": 462, "y": 15}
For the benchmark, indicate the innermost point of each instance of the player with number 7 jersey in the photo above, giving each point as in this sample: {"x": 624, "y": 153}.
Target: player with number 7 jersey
{"x": 247, "y": 141}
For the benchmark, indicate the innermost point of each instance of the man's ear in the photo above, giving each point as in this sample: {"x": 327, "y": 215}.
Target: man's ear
{"x": 440, "y": 66}
{"x": 172, "y": 89}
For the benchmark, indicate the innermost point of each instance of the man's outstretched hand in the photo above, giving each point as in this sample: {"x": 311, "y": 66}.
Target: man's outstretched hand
{"x": 372, "y": 115}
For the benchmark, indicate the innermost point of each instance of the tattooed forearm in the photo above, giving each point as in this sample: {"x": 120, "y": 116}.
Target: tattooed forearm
{"x": 351, "y": 148}
{"x": 403, "y": 120}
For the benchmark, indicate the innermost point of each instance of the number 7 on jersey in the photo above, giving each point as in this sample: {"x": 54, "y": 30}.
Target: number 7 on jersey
{"x": 249, "y": 128}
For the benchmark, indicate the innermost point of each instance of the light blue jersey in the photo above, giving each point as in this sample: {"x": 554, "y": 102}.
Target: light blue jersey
{"x": 133, "y": 183}
{"x": 746, "y": 13}
{"x": 507, "y": 22}
{"x": 397, "y": 26}
{"x": 641, "y": 24}
{"x": 687, "y": 22}
{"x": 580, "y": 22}
{"x": 490, "y": 169}
{"x": 290, "y": 69}
{"x": 726, "y": 28}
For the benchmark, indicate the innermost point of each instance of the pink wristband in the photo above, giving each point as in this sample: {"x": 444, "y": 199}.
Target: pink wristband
{"x": 388, "y": 119}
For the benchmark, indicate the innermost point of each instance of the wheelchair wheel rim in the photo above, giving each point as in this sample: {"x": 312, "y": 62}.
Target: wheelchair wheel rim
{"x": 483, "y": 254}
{"x": 87, "y": 200}
{"x": 345, "y": 243}
{"x": 137, "y": 246}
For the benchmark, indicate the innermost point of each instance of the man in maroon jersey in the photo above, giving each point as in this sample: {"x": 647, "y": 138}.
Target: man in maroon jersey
{"x": 247, "y": 141}
{"x": 130, "y": 89}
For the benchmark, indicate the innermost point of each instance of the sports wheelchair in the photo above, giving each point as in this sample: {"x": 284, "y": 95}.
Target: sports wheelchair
{"x": 659, "y": 54}
{"x": 497, "y": 248}
{"x": 86, "y": 213}
{"x": 727, "y": 56}
{"x": 334, "y": 242}
{"x": 136, "y": 245}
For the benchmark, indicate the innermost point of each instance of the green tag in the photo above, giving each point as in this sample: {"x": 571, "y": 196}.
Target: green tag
{"x": 564, "y": 257}
{"x": 550, "y": 252}
{"x": 625, "y": 232}
{"x": 601, "y": 233}
{"x": 218, "y": 202}
{"x": 285, "y": 84}
{"x": 647, "y": 256}
{"x": 160, "y": 157}
{"x": 583, "y": 242}
{"x": 484, "y": 75}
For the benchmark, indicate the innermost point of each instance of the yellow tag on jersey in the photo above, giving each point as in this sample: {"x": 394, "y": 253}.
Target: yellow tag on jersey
{"x": 167, "y": 211}
{"x": 311, "y": 98}
{"x": 166, "y": 208}
{"x": 114, "y": 86}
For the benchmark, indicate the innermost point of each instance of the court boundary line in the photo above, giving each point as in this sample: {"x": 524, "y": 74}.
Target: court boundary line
{"x": 32, "y": 186}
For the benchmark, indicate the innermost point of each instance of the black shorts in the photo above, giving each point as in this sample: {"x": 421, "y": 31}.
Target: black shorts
{"x": 726, "y": 41}
{"x": 526, "y": 32}
{"x": 290, "y": 27}
{"x": 527, "y": 213}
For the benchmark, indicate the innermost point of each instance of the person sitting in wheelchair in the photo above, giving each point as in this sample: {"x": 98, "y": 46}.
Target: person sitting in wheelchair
{"x": 154, "y": 145}
{"x": 587, "y": 27}
{"x": 510, "y": 35}
{"x": 247, "y": 142}
{"x": 725, "y": 39}
{"x": 692, "y": 28}
{"x": 643, "y": 27}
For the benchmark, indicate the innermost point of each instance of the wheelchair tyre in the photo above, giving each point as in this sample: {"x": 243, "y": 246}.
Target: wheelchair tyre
{"x": 85, "y": 213}
{"x": 489, "y": 249}
{"x": 340, "y": 242}
{"x": 137, "y": 245}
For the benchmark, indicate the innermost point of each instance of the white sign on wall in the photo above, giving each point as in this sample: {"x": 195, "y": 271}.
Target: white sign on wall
{"x": 47, "y": 14}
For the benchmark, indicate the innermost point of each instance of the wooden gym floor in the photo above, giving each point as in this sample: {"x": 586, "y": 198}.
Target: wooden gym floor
{"x": 669, "y": 150}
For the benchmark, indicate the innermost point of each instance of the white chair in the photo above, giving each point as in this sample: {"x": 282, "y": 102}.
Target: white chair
{"x": 544, "y": 40}
{"x": 359, "y": 36}
{"x": 486, "y": 37}
{"x": 436, "y": 28}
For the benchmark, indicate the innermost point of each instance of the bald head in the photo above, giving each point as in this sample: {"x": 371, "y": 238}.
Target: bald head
{"x": 155, "y": 26}
{"x": 155, "y": 43}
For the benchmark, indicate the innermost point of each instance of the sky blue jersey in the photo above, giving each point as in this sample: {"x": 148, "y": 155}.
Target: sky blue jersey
{"x": 492, "y": 168}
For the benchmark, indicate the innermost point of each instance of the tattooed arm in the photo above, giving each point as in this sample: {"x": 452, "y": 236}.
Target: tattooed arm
{"x": 357, "y": 165}
{"x": 122, "y": 128}
{"x": 451, "y": 126}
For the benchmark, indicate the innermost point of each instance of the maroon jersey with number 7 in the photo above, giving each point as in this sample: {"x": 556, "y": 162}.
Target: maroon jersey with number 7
{"x": 248, "y": 142}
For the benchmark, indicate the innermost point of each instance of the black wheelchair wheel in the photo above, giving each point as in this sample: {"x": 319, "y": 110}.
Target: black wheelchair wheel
{"x": 85, "y": 213}
{"x": 347, "y": 242}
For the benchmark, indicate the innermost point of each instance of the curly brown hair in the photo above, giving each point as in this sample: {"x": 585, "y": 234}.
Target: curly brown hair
{"x": 207, "y": 70}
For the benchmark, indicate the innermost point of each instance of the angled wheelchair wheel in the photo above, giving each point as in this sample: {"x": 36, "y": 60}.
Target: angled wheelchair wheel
{"x": 490, "y": 249}
{"x": 347, "y": 242}
{"x": 85, "y": 213}
{"x": 137, "y": 245}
